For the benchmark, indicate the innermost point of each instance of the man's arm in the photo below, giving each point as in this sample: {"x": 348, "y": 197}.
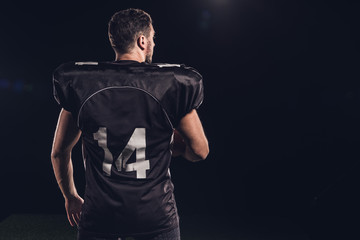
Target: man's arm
{"x": 195, "y": 146}
{"x": 67, "y": 135}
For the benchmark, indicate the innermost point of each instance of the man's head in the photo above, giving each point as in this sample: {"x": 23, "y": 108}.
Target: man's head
{"x": 131, "y": 32}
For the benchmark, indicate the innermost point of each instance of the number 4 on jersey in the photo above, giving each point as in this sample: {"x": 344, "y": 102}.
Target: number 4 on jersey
{"x": 137, "y": 143}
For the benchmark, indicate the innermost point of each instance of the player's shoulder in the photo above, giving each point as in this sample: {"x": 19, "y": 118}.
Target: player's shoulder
{"x": 180, "y": 70}
{"x": 91, "y": 66}
{"x": 74, "y": 66}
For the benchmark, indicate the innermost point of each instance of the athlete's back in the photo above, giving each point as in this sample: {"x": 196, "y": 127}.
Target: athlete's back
{"x": 126, "y": 112}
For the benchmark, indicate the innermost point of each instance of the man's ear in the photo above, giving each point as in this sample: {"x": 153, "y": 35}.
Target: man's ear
{"x": 141, "y": 42}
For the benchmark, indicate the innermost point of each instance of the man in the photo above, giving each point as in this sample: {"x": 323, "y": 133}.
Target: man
{"x": 132, "y": 117}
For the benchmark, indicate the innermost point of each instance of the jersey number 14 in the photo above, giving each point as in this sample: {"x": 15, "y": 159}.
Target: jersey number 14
{"x": 136, "y": 143}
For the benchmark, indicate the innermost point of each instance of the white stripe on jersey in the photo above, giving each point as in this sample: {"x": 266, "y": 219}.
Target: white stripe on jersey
{"x": 168, "y": 65}
{"x": 86, "y": 63}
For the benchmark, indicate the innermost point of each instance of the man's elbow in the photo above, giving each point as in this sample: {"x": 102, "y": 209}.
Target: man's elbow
{"x": 57, "y": 155}
{"x": 200, "y": 153}
{"x": 204, "y": 152}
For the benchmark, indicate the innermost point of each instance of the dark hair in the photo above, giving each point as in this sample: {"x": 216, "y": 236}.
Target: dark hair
{"x": 126, "y": 26}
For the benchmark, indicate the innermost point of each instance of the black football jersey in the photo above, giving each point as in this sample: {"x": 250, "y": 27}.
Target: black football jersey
{"x": 127, "y": 111}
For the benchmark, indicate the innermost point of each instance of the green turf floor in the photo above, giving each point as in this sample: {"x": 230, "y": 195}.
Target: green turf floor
{"x": 39, "y": 227}
{"x": 196, "y": 227}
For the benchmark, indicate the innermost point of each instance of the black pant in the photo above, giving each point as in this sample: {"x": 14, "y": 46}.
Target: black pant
{"x": 173, "y": 234}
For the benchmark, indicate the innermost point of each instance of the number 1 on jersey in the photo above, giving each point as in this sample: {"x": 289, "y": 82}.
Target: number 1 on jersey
{"x": 137, "y": 143}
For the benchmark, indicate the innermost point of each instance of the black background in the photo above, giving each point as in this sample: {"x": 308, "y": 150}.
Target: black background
{"x": 281, "y": 107}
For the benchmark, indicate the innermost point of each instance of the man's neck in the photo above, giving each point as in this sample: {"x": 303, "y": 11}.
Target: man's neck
{"x": 129, "y": 56}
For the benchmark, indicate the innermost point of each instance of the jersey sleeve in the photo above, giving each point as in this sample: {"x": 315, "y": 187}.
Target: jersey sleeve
{"x": 62, "y": 88}
{"x": 191, "y": 89}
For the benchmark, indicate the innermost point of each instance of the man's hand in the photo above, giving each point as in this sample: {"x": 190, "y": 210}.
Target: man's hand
{"x": 73, "y": 207}
{"x": 191, "y": 131}
{"x": 179, "y": 145}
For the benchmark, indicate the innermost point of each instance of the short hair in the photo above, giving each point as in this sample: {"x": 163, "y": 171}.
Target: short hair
{"x": 126, "y": 26}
